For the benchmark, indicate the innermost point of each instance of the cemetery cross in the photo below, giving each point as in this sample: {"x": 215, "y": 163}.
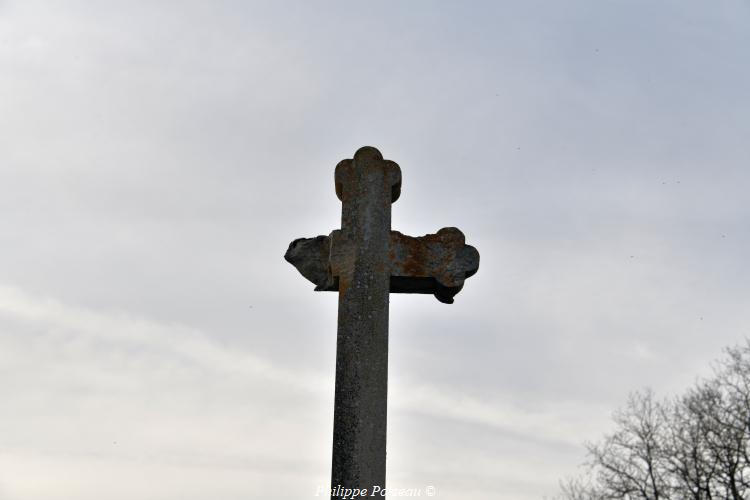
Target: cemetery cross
{"x": 365, "y": 261}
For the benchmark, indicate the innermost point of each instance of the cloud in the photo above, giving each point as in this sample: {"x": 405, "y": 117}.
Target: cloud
{"x": 95, "y": 390}
{"x": 114, "y": 392}
{"x": 157, "y": 160}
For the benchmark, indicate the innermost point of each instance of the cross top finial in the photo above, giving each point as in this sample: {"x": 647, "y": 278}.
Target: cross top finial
{"x": 368, "y": 153}
{"x": 366, "y": 159}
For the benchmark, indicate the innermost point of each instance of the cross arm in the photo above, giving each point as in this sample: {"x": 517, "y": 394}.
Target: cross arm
{"x": 436, "y": 264}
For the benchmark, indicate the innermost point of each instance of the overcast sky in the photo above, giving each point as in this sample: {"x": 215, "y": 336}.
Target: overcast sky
{"x": 156, "y": 158}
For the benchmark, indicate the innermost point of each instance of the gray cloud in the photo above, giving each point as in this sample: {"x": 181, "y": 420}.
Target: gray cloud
{"x": 155, "y": 161}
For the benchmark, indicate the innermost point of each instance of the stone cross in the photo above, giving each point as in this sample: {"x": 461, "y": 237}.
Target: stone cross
{"x": 365, "y": 261}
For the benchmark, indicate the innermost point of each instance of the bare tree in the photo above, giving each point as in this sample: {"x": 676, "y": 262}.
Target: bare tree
{"x": 692, "y": 470}
{"x": 691, "y": 447}
{"x": 578, "y": 488}
{"x": 630, "y": 462}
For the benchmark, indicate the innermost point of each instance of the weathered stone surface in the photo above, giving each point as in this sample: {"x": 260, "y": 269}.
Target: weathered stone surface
{"x": 366, "y": 186}
{"x": 437, "y": 263}
{"x": 311, "y": 258}
{"x": 365, "y": 261}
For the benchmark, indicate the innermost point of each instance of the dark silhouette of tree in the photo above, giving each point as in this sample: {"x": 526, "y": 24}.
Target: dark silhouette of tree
{"x": 690, "y": 447}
